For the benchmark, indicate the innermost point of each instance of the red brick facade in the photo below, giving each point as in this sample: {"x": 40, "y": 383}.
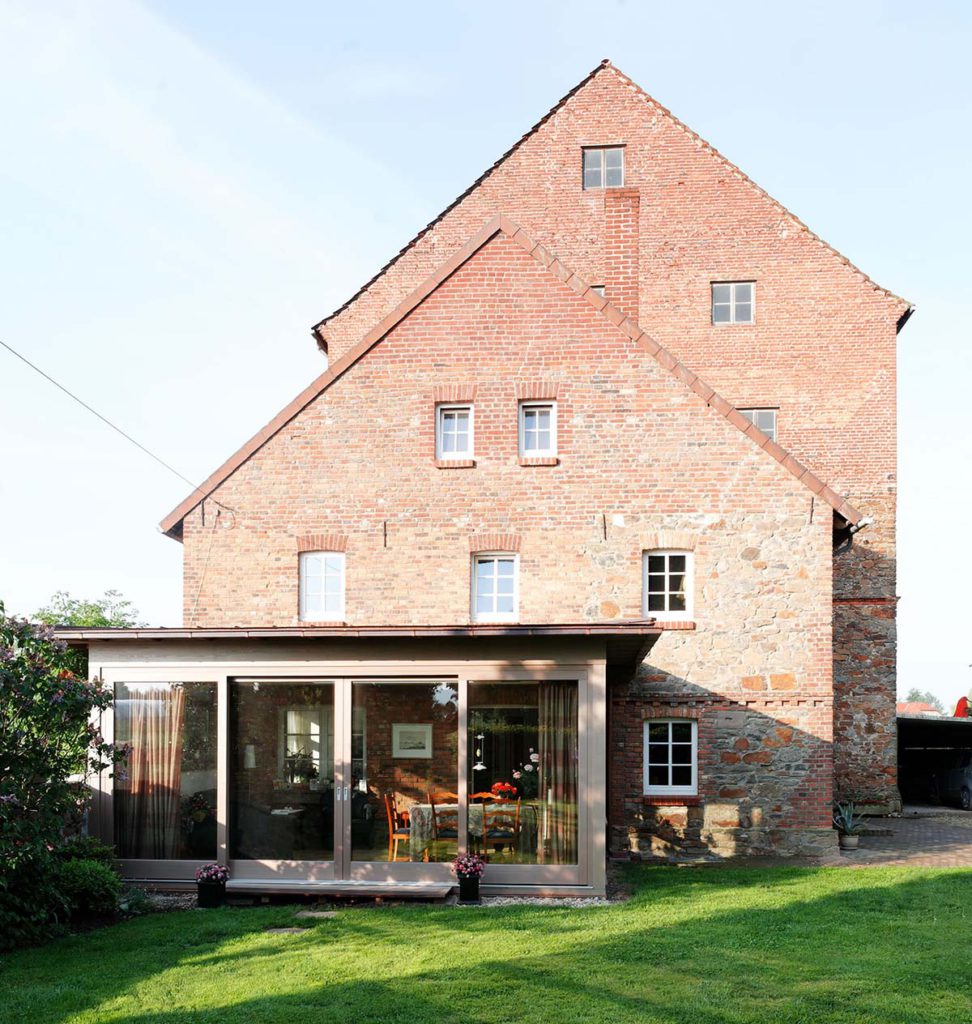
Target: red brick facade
{"x": 783, "y": 689}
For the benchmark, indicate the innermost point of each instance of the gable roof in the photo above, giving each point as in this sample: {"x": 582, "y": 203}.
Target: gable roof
{"x": 605, "y": 66}
{"x": 503, "y": 225}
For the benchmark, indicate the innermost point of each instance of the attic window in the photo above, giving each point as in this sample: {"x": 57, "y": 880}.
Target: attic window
{"x": 765, "y": 419}
{"x": 604, "y": 167}
{"x": 733, "y": 302}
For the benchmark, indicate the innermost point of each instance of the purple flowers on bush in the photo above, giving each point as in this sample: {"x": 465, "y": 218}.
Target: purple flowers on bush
{"x": 212, "y": 873}
{"x": 469, "y": 865}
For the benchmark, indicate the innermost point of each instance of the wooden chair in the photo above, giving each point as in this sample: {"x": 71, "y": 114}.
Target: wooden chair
{"x": 501, "y": 825}
{"x": 398, "y": 831}
{"x": 445, "y": 821}
{"x": 483, "y": 798}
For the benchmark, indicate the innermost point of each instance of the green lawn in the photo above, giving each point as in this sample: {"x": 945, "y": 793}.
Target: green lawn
{"x": 692, "y": 945}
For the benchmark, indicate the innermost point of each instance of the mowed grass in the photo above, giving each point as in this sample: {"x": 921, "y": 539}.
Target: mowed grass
{"x": 691, "y": 945}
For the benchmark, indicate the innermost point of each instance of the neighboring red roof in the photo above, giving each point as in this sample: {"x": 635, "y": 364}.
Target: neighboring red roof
{"x": 626, "y": 325}
{"x": 916, "y": 707}
{"x": 665, "y": 112}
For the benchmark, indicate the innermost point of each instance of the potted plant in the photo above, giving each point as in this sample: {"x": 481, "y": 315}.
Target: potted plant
{"x": 469, "y": 868}
{"x": 848, "y": 824}
{"x": 211, "y": 885}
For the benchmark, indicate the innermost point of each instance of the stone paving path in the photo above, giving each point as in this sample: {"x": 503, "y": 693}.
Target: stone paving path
{"x": 927, "y": 837}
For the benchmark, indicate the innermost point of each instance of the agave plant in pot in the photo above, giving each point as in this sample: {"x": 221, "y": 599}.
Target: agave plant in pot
{"x": 211, "y": 885}
{"x": 849, "y": 825}
{"x": 469, "y": 868}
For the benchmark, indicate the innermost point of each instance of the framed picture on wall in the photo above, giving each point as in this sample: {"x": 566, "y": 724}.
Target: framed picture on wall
{"x": 411, "y": 740}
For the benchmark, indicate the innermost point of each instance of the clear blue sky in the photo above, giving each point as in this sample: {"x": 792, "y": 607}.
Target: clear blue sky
{"x": 185, "y": 188}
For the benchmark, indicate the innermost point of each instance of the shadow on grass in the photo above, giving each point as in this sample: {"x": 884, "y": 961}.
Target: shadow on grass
{"x": 700, "y": 945}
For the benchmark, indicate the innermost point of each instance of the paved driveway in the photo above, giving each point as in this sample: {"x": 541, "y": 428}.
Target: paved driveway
{"x": 931, "y": 837}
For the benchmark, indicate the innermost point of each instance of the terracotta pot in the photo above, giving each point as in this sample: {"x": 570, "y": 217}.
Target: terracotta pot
{"x": 849, "y": 842}
{"x": 468, "y": 889}
{"x": 210, "y": 894}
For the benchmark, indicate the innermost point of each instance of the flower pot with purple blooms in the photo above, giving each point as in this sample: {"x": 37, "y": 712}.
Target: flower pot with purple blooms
{"x": 211, "y": 885}
{"x": 469, "y": 868}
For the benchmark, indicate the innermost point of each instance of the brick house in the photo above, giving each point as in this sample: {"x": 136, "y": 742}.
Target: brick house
{"x": 582, "y": 545}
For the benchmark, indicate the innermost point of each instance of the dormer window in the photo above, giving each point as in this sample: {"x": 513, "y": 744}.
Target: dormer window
{"x": 603, "y": 167}
{"x": 733, "y": 302}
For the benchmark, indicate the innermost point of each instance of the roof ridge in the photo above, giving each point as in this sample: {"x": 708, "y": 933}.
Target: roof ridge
{"x": 502, "y": 224}
{"x": 682, "y": 126}
{"x": 605, "y": 63}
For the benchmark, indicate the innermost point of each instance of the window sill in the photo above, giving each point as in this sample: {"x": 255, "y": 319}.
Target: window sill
{"x": 655, "y": 800}
{"x": 539, "y": 460}
{"x": 323, "y": 623}
{"x": 455, "y": 463}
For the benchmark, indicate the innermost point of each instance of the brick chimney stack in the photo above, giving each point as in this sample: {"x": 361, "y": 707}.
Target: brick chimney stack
{"x": 621, "y": 210}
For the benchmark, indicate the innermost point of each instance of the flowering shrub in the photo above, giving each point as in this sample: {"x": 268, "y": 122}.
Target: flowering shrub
{"x": 502, "y": 789}
{"x": 212, "y": 873}
{"x": 49, "y": 747}
{"x": 469, "y": 865}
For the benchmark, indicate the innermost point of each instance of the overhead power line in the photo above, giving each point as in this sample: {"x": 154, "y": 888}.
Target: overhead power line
{"x": 104, "y": 419}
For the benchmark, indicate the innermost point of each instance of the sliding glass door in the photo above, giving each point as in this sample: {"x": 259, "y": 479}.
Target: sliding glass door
{"x": 390, "y": 779}
{"x": 282, "y": 781}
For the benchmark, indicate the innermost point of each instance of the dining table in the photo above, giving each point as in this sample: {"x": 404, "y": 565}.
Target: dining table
{"x": 421, "y": 831}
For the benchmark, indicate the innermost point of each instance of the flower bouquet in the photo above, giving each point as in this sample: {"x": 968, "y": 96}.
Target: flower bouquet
{"x": 469, "y": 868}
{"x": 527, "y": 776}
{"x": 503, "y": 790}
{"x": 211, "y": 885}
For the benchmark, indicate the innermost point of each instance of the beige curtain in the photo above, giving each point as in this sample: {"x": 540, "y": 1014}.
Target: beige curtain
{"x": 150, "y": 803}
{"x": 558, "y": 767}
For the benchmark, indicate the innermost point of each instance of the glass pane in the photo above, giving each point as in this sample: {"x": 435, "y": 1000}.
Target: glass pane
{"x": 504, "y": 604}
{"x": 681, "y": 753}
{"x": 484, "y": 603}
{"x": 658, "y": 731}
{"x": 614, "y": 177}
{"x": 676, "y": 602}
{"x": 333, "y": 563}
{"x": 281, "y": 784}
{"x": 448, "y": 443}
{"x": 744, "y": 313}
{"x": 744, "y": 293}
{"x": 656, "y": 563}
{"x": 721, "y": 315}
{"x": 614, "y": 158}
{"x": 658, "y": 753}
{"x": 404, "y": 801}
{"x": 721, "y": 293}
{"x": 681, "y": 775}
{"x": 485, "y": 568}
{"x": 676, "y": 563}
{"x": 681, "y": 732}
{"x": 505, "y": 566}
{"x": 165, "y": 794}
{"x": 504, "y": 585}
{"x": 656, "y": 584}
{"x": 523, "y": 779}
{"x": 656, "y": 602}
{"x": 657, "y": 775}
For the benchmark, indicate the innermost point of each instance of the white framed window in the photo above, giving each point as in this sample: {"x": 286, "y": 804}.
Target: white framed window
{"x": 598, "y": 289}
{"x": 305, "y": 744}
{"x": 765, "y": 419}
{"x": 603, "y": 166}
{"x": 453, "y": 432}
{"x": 538, "y": 429}
{"x": 495, "y": 587}
{"x": 733, "y": 302}
{"x": 321, "y": 586}
{"x": 671, "y": 757}
{"x": 667, "y": 584}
